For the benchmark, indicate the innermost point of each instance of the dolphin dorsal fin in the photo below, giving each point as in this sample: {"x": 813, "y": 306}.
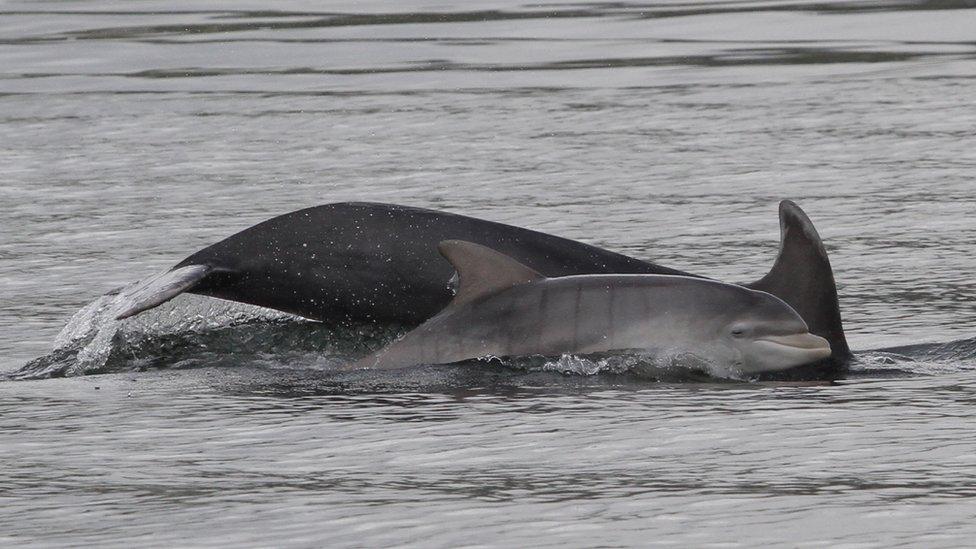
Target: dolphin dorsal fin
{"x": 802, "y": 277}
{"x": 482, "y": 270}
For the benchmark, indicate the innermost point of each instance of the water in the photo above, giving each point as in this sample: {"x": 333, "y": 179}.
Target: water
{"x": 133, "y": 134}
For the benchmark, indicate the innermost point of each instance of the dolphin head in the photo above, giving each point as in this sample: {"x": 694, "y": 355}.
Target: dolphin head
{"x": 770, "y": 336}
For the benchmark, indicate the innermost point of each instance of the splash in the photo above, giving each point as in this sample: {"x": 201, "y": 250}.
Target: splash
{"x": 916, "y": 360}
{"x": 666, "y": 365}
{"x": 192, "y": 330}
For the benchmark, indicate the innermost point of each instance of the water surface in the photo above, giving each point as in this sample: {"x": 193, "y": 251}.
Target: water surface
{"x": 134, "y": 133}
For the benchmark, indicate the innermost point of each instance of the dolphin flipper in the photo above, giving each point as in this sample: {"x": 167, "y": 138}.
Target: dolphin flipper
{"x": 159, "y": 289}
{"x": 802, "y": 277}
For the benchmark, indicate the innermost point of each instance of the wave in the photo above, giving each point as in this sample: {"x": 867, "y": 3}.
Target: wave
{"x": 917, "y": 359}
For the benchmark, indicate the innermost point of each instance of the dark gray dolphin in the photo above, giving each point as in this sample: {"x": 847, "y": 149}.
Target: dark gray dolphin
{"x": 505, "y": 309}
{"x": 379, "y": 262}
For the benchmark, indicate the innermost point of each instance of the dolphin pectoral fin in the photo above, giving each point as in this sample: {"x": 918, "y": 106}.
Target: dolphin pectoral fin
{"x": 159, "y": 289}
{"x": 802, "y": 277}
{"x": 482, "y": 270}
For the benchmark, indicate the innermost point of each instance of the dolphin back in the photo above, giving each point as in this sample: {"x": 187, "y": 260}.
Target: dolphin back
{"x": 369, "y": 262}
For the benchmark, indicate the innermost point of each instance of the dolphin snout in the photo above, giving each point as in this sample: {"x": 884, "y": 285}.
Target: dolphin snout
{"x": 806, "y": 342}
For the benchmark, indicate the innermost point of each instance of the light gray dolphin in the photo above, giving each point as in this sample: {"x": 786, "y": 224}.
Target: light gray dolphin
{"x": 504, "y": 308}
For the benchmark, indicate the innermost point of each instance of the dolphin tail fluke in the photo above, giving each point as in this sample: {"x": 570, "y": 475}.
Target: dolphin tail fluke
{"x": 802, "y": 277}
{"x": 156, "y": 290}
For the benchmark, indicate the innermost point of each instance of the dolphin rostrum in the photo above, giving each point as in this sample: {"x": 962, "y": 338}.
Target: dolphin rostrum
{"x": 378, "y": 262}
{"x": 504, "y": 309}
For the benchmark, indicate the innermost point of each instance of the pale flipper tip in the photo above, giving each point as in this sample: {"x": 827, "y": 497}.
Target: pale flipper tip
{"x": 156, "y": 290}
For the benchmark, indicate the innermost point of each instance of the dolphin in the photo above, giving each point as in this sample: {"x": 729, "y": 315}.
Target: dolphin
{"x": 371, "y": 262}
{"x": 504, "y": 308}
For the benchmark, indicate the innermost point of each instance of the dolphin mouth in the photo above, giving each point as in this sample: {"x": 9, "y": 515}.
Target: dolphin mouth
{"x": 815, "y": 346}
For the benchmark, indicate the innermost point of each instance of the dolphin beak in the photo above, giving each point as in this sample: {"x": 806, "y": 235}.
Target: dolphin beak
{"x": 816, "y": 346}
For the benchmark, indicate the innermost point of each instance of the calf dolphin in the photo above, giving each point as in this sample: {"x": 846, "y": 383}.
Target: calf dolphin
{"x": 378, "y": 262}
{"x": 504, "y": 309}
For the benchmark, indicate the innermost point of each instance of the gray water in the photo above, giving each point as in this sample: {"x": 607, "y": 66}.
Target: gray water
{"x": 134, "y": 133}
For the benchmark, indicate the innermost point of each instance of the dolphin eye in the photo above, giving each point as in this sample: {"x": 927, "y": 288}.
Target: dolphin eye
{"x": 738, "y": 331}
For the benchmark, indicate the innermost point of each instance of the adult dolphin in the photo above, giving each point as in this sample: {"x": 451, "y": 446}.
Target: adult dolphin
{"x": 505, "y": 309}
{"x": 358, "y": 261}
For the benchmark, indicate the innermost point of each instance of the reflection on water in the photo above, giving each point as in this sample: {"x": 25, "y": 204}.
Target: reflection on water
{"x": 137, "y": 132}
